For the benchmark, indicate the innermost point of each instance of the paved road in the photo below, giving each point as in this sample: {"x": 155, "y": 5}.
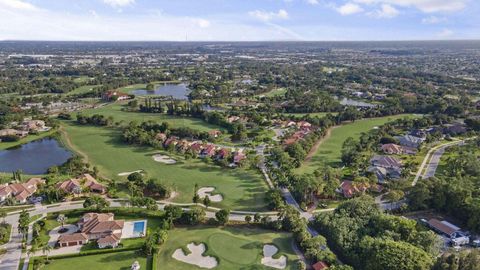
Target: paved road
{"x": 433, "y": 163}
{"x": 435, "y": 160}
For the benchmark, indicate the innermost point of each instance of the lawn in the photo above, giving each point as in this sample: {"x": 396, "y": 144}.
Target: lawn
{"x": 234, "y": 248}
{"x": 242, "y": 189}
{"x": 115, "y": 110}
{"x": 110, "y": 261}
{"x": 329, "y": 151}
{"x": 82, "y": 89}
{"x": 275, "y": 92}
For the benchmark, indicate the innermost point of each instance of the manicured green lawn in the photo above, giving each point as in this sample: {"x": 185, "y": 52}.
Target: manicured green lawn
{"x": 329, "y": 151}
{"x": 115, "y": 110}
{"x": 110, "y": 261}
{"x": 242, "y": 189}
{"x": 275, "y": 92}
{"x": 234, "y": 248}
{"x": 82, "y": 89}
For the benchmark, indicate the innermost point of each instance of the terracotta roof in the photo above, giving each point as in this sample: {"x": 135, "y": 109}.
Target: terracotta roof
{"x": 85, "y": 180}
{"x": 110, "y": 239}
{"x": 320, "y": 266}
{"x": 65, "y": 238}
{"x": 101, "y": 223}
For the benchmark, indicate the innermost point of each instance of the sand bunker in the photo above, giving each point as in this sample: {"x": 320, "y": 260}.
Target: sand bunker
{"x": 128, "y": 173}
{"x": 207, "y": 191}
{"x": 268, "y": 260}
{"x": 164, "y": 159}
{"x": 195, "y": 257}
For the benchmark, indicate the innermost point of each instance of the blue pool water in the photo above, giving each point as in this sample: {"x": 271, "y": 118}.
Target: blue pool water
{"x": 139, "y": 227}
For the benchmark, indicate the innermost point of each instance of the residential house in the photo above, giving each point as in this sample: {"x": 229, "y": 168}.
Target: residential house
{"x": 20, "y": 191}
{"x": 392, "y": 149}
{"x": 238, "y": 156}
{"x": 304, "y": 125}
{"x": 395, "y": 149}
{"x": 196, "y": 147}
{"x": 114, "y": 95}
{"x": 171, "y": 140}
{"x": 33, "y": 125}
{"x": 349, "y": 188}
{"x": 208, "y": 151}
{"x": 81, "y": 183}
{"x": 100, "y": 227}
{"x": 161, "y": 137}
{"x": 457, "y": 237}
{"x": 320, "y": 266}
{"x": 410, "y": 141}
{"x": 13, "y": 132}
{"x": 386, "y": 162}
{"x": 454, "y": 130}
{"x": 222, "y": 153}
{"x": 215, "y": 133}
{"x": 420, "y": 133}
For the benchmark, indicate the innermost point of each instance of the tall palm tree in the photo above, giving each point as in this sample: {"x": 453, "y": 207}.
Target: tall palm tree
{"x": 46, "y": 249}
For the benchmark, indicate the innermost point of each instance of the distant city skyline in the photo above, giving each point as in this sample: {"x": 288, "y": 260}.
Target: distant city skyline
{"x": 232, "y": 20}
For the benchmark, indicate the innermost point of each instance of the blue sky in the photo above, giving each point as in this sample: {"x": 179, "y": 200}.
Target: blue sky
{"x": 242, "y": 20}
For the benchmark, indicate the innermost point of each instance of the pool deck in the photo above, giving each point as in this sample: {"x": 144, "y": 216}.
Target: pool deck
{"x": 128, "y": 229}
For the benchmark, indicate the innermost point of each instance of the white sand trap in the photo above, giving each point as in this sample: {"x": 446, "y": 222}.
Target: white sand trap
{"x": 164, "y": 159}
{"x": 268, "y": 260}
{"x": 195, "y": 257}
{"x": 207, "y": 191}
{"x": 128, "y": 173}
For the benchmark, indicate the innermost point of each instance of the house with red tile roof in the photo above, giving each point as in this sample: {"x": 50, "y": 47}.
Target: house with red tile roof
{"x": 20, "y": 191}
{"x": 161, "y": 137}
{"x": 320, "y": 266}
{"x": 215, "y": 133}
{"x": 208, "y": 151}
{"x": 196, "y": 147}
{"x": 114, "y": 95}
{"x": 238, "y": 156}
{"x": 222, "y": 153}
{"x": 81, "y": 183}
{"x": 350, "y": 189}
{"x": 100, "y": 227}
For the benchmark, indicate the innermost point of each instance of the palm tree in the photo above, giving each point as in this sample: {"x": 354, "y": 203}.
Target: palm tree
{"x": 46, "y": 249}
{"x": 61, "y": 219}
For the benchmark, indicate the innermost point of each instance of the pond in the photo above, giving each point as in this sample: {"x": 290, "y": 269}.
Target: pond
{"x": 34, "y": 157}
{"x": 177, "y": 91}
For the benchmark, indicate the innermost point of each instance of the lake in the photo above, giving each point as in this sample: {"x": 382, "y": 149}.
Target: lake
{"x": 34, "y": 157}
{"x": 177, "y": 91}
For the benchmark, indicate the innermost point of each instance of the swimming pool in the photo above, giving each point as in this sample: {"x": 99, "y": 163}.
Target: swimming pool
{"x": 139, "y": 228}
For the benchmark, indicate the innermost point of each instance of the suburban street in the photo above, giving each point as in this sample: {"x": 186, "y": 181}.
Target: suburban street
{"x": 432, "y": 159}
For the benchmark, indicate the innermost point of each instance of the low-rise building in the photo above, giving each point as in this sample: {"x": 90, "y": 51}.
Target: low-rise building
{"x": 78, "y": 185}
{"x": 21, "y": 192}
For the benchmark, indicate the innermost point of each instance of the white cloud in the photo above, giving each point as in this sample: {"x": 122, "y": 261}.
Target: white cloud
{"x": 428, "y": 6}
{"x": 445, "y": 33}
{"x": 312, "y": 2}
{"x": 43, "y": 24}
{"x": 385, "y": 11}
{"x": 269, "y": 16}
{"x": 349, "y": 9}
{"x": 433, "y": 20}
{"x": 17, "y": 4}
{"x": 202, "y": 23}
{"x": 119, "y": 3}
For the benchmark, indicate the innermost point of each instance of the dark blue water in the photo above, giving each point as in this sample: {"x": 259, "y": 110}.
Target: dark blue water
{"x": 34, "y": 157}
{"x": 177, "y": 91}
